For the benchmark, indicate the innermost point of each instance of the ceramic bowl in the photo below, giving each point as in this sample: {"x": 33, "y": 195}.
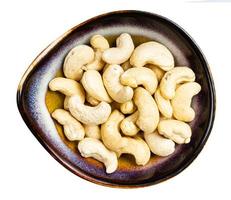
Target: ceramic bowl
{"x": 35, "y": 101}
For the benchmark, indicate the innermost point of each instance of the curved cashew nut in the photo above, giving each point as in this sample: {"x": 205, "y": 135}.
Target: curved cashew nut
{"x": 158, "y": 144}
{"x": 111, "y": 80}
{"x": 114, "y": 141}
{"x": 73, "y": 130}
{"x": 75, "y": 60}
{"x": 68, "y": 87}
{"x": 128, "y": 125}
{"x": 181, "y": 103}
{"x": 127, "y": 107}
{"x": 158, "y": 71}
{"x": 126, "y": 65}
{"x": 93, "y": 84}
{"x": 92, "y": 131}
{"x": 110, "y": 134}
{"x": 87, "y": 114}
{"x": 163, "y": 104}
{"x": 100, "y": 44}
{"x": 148, "y": 111}
{"x": 178, "y": 131}
{"x": 138, "y": 148}
{"x": 152, "y": 53}
{"x": 140, "y": 76}
{"x": 91, "y": 147}
{"x": 122, "y": 51}
{"x": 172, "y": 78}
{"x": 92, "y": 100}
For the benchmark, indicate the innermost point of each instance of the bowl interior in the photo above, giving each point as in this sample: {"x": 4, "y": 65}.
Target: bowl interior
{"x": 36, "y": 102}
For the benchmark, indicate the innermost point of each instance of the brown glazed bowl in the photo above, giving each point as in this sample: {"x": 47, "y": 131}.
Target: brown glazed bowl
{"x": 35, "y": 101}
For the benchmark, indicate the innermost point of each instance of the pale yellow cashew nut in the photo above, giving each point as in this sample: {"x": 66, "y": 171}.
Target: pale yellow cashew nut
{"x": 173, "y": 77}
{"x": 127, "y": 107}
{"x": 152, "y": 53}
{"x": 111, "y": 80}
{"x": 75, "y": 60}
{"x": 128, "y": 125}
{"x": 178, "y": 131}
{"x": 181, "y": 103}
{"x": 140, "y": 76}
{"x": 91, "y": 147}
{"x": 148, "y": 111}
{"x": 113, "y": 140}
{"x": 89, "y": 115}
{"x": 100, "y": 44}
{"x": 93, "y": 84}
{"x": 122, "y": 51}
{"x": 67, "y": 87}
{"x": 163, "y": 104}
{"x": 158, "y": 144}
{"x": 73, "y": 129}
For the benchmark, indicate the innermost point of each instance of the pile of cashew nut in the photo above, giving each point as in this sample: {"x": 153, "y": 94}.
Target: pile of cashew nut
{"x": 125, "y": 100}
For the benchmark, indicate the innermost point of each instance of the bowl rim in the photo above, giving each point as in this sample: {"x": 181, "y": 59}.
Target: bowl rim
{"x": 90, "y": 178}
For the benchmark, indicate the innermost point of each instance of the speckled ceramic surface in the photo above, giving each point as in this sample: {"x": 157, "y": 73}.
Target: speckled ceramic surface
{"x": 35, "y": 101}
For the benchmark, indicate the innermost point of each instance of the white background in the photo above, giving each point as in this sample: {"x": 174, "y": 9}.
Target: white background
{"x": 27, "y": 171}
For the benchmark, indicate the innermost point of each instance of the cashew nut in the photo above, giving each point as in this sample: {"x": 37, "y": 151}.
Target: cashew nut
{"x": 73, "y": 130}
{"x": 163, "y": 104}
{"x": 87, "y": 114}
{"x": 172, "y": 78}
{"x": 113, "y": 140}
{"x": 158, "y": 71}
{"x": 181, "y": 103}
{"x": 100, "y": 44}
{"x": 140, "y": 76}
{"x": 92, "y": 131}
{"x": 68, "y": 87}
{"x": 158, "y": 144}
{"x": 152, "y": 53}
{"x": 92, "y": 100}
{"x": 148, "y": 111}
{"x": 111, "y": 80}
{"x": 93, "y": 84}
{"x": 122, "y": 51}
{"x": 91, "y": 147}
{"x": 126, "y": 65}
{"x": 75, "y": 60}
{"x": 178, "y": 131}
{"x": 128, "y": 125}
{"x": 127, "y": 107}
